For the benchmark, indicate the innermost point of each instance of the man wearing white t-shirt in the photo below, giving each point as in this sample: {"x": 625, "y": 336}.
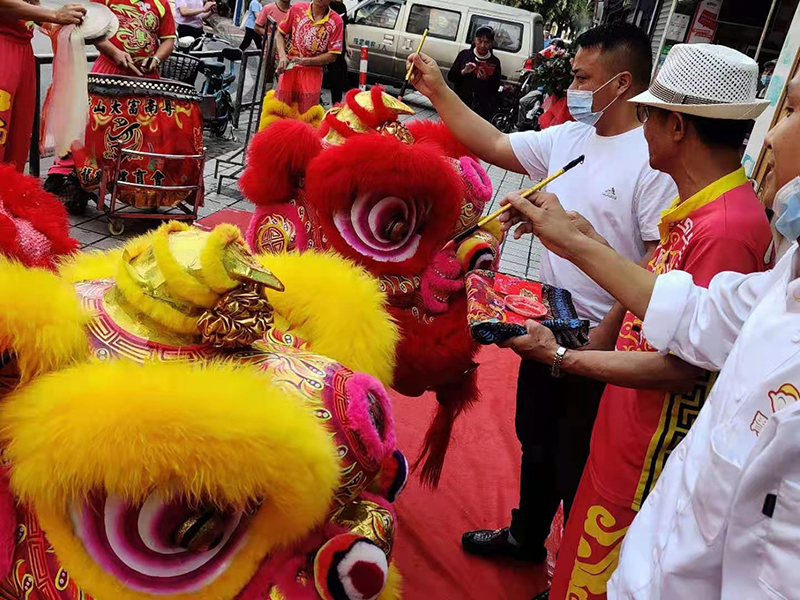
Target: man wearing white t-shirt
{"x": 622, "y": 197}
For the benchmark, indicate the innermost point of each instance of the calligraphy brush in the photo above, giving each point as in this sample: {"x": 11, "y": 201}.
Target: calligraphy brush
{"x": 527, "y": 193}
{"x": 411, "y": 66}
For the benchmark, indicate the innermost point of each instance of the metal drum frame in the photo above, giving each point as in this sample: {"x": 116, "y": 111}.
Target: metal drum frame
{"x": 118, "y": 211}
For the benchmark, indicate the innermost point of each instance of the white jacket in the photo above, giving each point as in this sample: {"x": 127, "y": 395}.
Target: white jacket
{"x": 724, "y": 519}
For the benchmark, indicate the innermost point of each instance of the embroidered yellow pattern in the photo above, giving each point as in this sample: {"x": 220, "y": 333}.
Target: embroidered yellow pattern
{"x": 592, "y": 578}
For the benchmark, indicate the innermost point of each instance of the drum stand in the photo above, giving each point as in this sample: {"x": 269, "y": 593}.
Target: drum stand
{"x": 266, "y": 66}
{"x": 118, "y": 211}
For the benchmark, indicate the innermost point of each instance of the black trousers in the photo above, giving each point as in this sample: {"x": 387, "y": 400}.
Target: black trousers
{"x": 250, "y": 35}
{"x": 554, "y": 425}
{"x": 184, "y": 30}
{"x": 337, "y": 79}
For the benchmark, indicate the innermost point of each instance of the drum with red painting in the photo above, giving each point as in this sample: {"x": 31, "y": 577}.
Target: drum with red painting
{"x": 146, "y": 115}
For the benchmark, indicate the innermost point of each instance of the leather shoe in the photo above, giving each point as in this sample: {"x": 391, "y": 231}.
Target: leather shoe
{"x": 487, "y": 542}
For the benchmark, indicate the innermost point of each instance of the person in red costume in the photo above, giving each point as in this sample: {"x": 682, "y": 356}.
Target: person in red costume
{"x": 315, "y": 34}
{"x": 17, "y": 75}
{"x": 145, "y": 38}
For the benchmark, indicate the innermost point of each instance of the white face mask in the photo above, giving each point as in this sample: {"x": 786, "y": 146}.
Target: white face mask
{"x": 787, "y": 208}
{"x": 580, "y": 104}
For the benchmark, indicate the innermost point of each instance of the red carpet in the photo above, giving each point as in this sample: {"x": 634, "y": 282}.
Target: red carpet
{"x": 479, "y": 487}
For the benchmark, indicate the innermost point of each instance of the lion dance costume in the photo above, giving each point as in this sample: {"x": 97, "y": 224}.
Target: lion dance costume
{"x": 389, "y": 197}
{"x": 182, "y": 420}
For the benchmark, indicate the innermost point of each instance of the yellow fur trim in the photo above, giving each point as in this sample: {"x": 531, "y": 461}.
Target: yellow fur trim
{"x": 160, "y": 312}
{"x": 267, "y": 530}
{"x": 214, "y": 432}
{"x": 214, "y": 272}
{"x": 338, "y": 307}
{"x": 179, "y": 282}
{"x": 85, "y": 266}
{"x": 275, "y": 110}
{"x": 41, "y": 319}
{"x": 394, "y": 585}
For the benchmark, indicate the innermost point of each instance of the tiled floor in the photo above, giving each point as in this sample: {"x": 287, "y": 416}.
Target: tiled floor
{"x": 518, "y": 257}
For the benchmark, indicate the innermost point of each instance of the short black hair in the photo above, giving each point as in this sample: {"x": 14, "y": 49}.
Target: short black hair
{"x": 722, "y": 133}
{"x": 485, "y": 31}
{"x": 630, "y": 45}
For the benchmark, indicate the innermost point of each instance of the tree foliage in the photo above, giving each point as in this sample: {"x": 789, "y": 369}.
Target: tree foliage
{"x": 575, "y": 14}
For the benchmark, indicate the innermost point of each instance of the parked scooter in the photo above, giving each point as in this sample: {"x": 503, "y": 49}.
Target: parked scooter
{"x": 217, "y": 103}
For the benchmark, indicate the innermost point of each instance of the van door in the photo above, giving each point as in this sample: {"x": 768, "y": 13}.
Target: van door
{"x": 374, "y": 24}
{"x": 511, "y": 40}
{"x": 444, "y": 22}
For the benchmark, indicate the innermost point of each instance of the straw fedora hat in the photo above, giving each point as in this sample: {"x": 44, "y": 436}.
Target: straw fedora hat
{"x": 706, "y": 80}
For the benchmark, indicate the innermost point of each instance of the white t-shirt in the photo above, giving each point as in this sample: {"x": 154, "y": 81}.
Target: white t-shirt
{"x": 615, "y": 189}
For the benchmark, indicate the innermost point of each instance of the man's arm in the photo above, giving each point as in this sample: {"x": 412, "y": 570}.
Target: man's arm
{"x": 69, "y": 14}
{"x": 604, "y": 336}
{"x": 191, "y": 12}
{"x": 120, "y": 58}
{"x": 480, "y": 136}
{"x": 698, "y": 325}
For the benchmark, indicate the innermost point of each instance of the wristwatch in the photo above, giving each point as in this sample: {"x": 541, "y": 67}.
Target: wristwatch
{"x": 556, "y": 369}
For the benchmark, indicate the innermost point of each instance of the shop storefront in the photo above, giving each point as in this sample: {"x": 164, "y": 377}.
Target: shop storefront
{"x": 757, "y": 29}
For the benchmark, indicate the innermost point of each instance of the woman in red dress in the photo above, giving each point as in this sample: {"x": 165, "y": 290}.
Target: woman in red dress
{"x": 315, "y": 34}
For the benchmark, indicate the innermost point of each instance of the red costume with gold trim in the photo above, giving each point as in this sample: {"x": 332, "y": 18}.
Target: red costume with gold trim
{"x": 390, "y": 197}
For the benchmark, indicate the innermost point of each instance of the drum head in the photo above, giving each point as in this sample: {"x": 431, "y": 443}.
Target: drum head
{"x": 99, "y": 23}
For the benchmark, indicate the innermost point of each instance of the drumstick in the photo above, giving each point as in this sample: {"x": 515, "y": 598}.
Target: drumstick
{"x": 527, "y": 193}
{"x": 411, "y": 66}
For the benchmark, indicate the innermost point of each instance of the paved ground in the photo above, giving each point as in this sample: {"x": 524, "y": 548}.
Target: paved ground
{"x": 518, "y": 257}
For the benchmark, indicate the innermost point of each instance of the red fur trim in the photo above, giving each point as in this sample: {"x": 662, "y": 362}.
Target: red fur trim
{"x": 437, "y": 355}
{"x": 338, "y": 126}
{"x": 383, "y": 165}
{"x": 23, "y": 197}
{"x": 428, "y": 131}
{"x": 453, "y": 399}
{"x": 276, "y": 161}
{"x": 379, "y": 114}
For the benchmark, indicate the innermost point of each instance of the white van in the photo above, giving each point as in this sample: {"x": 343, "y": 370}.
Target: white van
{"x": 391, "y": 30}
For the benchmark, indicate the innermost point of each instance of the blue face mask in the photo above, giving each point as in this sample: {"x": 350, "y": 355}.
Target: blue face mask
{"x": 787, "y": 207}
{"x": 580, "y": 103}
{"x": 765, "y": 79}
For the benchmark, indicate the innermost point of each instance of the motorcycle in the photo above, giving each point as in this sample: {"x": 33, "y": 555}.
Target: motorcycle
{"x": 520, "y": 105}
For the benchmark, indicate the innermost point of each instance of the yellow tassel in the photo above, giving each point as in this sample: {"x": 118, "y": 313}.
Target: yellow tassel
{"x": 160, "y": 312}
{"x": 214, "y": 272}
{"x": 41, "y": 320}
{"x": 179, "y": 282}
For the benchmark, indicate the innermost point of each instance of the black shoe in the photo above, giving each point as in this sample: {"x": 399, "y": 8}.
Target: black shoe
{"x": 545, "y": 595}
{"x": 486, "y": 542}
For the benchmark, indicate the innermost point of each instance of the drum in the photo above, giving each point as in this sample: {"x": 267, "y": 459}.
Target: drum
{"x": 146, "y": 115}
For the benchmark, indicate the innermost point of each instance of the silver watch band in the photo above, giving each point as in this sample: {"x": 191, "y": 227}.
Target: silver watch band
{"x": 555, "y": 371}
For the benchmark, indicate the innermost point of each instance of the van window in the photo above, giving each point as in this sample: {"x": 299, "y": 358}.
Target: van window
{"x": 380, "y": 13}
{"x": 440, "y": 23}
{"x": 507, "y": 35}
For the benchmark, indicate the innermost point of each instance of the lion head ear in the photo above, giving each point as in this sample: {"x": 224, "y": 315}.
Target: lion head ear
{"x": 276, "y": 161}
